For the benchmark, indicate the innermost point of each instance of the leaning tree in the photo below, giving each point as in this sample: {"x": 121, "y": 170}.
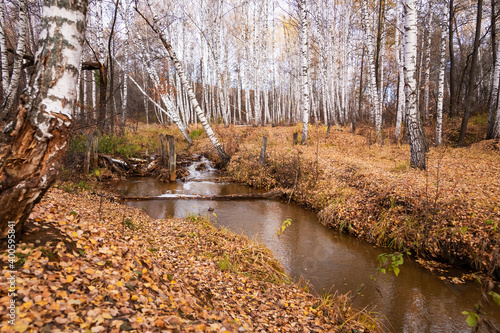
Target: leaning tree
{"x": 33, "y": 145}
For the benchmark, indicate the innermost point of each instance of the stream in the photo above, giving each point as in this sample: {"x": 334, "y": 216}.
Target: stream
{"x": 415, "y": 301}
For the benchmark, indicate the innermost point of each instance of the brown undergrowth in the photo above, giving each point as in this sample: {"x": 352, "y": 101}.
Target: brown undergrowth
{"x": 87, "y": 264}
{"x": 449, "y": 213}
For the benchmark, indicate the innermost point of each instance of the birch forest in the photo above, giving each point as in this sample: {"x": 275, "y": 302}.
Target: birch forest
{"x": 399, "y": 64}
{"x": 138, "y": 138}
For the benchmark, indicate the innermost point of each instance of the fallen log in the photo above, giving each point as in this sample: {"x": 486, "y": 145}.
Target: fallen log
{"x": 111, "y": 162}
{"x": 266, "y": 195}
{"x": 137, "y": 160}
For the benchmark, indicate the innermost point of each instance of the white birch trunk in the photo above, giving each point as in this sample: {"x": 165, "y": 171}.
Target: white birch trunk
{"x": 4, "y": 54}
{"x": 126, "y": 16}
{"x": 371, "y": 71}
{"x": 180, "y": 71}
{"x": 442, "y": 67}
{"x": 413, "y": 121}
{"x": 304, "y": 62}
{"x": 400, "y": 64}
{"x": 145, "y": 96}
{"x": 94, "y": 92}
{"x": 427, "y": 64}
{"x": 40, "y": 137}
{"x": 85, "y": 94}
{"x": 171, "y": 110}
{"x": 10, "y": 95}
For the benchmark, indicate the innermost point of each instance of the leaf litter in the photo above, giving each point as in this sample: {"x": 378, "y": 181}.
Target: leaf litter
{"x": 92, "y": 265}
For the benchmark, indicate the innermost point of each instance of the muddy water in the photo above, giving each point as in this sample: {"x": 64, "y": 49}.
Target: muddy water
{"x": 415, "y": 301}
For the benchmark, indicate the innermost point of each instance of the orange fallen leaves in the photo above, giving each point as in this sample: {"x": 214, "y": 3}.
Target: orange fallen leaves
{"x": 449, "y": 213}
{"x": 88, "y": 275}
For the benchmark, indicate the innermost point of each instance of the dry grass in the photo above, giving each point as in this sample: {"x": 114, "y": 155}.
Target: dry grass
{"x": 449, "y": 212}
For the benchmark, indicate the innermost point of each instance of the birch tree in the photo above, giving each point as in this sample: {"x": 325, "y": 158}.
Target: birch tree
{"x": 32, "y": 148}
{"x": 3, "y": 52}
{"x": 372, "y": 81}
{"x": 192, "y": 97}
{"x": 442, "y": 67}
{"x": 10, "y": 93}
{"x": 304, "y": 62}
{"x": 126, "y": 18}
{"x": 400, "y": 63}
{"x": 413, "y": 120}
{"x": 171, "y": 110}
{"x": 427, "y": 65}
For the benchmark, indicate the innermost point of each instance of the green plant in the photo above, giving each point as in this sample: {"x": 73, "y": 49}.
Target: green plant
{"x": 48, "y": 253}
{"x": 83, "y": 186}
{"x": 226, "y": 265}
{"x": 129, "y": 224}
{"x": 496, "y": 297}
{"x": 390, "y": 262}
{"x": 480, "y": 119}
{"x": 67, "y": 188}
{"x": 473, "y": 317}
{"x": 196, "y": 134}
{"x": 22, "y": 258}
{"x": 286, "y": 224}
{"x": 78, "y": 144}
{"x": 117, "y": 145}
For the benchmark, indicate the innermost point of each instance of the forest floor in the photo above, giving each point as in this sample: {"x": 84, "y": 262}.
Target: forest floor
{"x": 88, "y": 264}
{"x": 449, "y": 213}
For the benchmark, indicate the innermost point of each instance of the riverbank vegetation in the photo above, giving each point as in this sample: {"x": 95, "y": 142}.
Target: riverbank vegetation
{"x": 202, "y": 64}
{"x": 86, "y": 263}
{"x": 449, "y": 213}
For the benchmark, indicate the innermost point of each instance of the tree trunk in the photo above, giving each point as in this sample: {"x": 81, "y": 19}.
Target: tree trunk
{"x": 304, "y": 69}
{"x": 496, "y": 76}
{"x": 452, "y": 59}
{"x": 34, "y": 148}
{"x": 126, "y": 14}
{"x": 442, "y": 67}
{"x": 4, "y": 54}
{"x": 371, "y": 71}
{"x": 400, "y": 64}
{"x": 427, "y": 65}
{"x": 413, "y": 120}
{"x": 11, "y": 93}
{"x": 472, "y": 76}
{"x": 192, "y": 97}
{"x": 101, "y": 106}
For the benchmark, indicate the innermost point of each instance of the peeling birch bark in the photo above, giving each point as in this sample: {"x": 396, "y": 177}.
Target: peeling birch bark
{"x": 31, "y": 152}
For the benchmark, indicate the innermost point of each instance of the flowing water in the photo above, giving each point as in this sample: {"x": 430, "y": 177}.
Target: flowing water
{"x": 415, "y": 301}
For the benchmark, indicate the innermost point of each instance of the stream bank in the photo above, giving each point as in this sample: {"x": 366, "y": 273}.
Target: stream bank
{"x": 448, "y": 214}
{"x": 86, "y": 263}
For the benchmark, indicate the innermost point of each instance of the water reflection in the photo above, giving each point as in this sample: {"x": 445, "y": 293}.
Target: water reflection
{"x": 415, "y": 301}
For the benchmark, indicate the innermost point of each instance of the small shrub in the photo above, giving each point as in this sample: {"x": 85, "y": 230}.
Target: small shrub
{"x": 480, "y": 119}
{"x": 117, "y": 145}
{"x": 83, "y": 186}
{"x": 196, "y": 134}
{"x": 78, "y": 144}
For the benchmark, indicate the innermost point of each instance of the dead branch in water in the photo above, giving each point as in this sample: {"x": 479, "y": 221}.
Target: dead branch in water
{"x": 206, "y": 197}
